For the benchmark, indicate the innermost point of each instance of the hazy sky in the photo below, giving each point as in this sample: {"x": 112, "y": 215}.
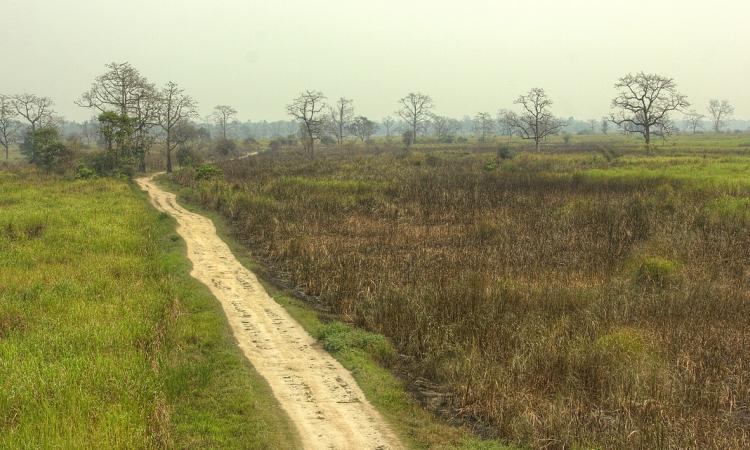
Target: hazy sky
{"x": 469, "y": 55}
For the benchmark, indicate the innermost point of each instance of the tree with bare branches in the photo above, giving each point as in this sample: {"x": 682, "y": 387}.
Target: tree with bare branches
{"x": 222, "y": 116}
{"x": 644, "y": 102}
{"x": 363, "y": 128}
{"x": 118, "y": 90}
{"x": 535, "y": 121}
{"x": 445, "y": 128}
{"x": 35, "y": 109}
{"x": 388, "y": 124}
{"x": 694, "y": 120}
{"x": 306, "y": 109}
{"x": 8, "y": 124}
{"x": 124, "y": 91}
{"x": 506, "y": 120}
{"x": 416, "y": 110}
{"x": 721, "y": 111}
{"x": 342, "y": 114}
{"x": 175, "y": 107}
{"x": 484, "y": 125}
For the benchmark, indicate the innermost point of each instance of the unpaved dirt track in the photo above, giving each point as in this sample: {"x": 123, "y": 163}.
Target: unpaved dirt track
{"x": 319, "y": 395}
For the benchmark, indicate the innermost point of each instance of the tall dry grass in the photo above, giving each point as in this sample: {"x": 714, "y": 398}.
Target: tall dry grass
{"x": 562, "y": 310}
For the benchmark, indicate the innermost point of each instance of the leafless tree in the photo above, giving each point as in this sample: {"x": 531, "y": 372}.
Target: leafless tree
{"x": 363, "y": 128}
{"x": 342, "y": 113}
{"x": 7, "y": 124}
{"x": 144, "y": 115}
{"x": 644, "y": 102}
{"x": 506, "y": 120}
{"x": 536, "y": 122}
{"x": 592, "y": 124}
{"x": 306, "y": 109}
{"x": 604, "y": 125}
{"x": 388, "y": 124}
{"x": 445, "y": 127}
{"x": 222, "y": 115}
{"x": 484, "y": 126}
{"x": 416, "y": 110}
{"x": 123, "y": 90}
{"x": 118, "y": 89}
{"x": 36, "y": 110}
{"x": 721, "y": 111}
{"x": 694, "y": 120}
{"x": 175, "y": 107}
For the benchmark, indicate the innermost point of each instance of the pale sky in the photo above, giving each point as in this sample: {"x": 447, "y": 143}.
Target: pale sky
{"x": 469, "y": 55}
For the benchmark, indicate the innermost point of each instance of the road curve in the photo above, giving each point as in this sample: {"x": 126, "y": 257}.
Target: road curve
{"x": 319, "y": 394}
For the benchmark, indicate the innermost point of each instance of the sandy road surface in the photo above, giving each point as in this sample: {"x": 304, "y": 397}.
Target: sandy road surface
{"x": 319, "y": 395}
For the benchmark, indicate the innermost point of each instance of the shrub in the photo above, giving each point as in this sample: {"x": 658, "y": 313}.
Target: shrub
{"x": 656, "y": 271}
{"x": 207, "y": 171}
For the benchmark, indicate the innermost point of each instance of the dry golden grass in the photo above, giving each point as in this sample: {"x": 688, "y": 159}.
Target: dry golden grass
{"x": 562, "y": 309}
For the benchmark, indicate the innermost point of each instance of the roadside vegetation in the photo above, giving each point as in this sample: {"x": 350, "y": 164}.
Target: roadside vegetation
{"x": 591, "y": 295}
{"x": 105, "y": 340}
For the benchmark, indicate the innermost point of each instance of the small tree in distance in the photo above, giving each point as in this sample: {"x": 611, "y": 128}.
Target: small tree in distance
{"x": 306, "y": 109}
{"x": 7, "y": 124}
{"x": 644, "y": 103}
{"x": 416, "y": 110}
{"x": 721, "y": 111}
{"x": 535, "y": 122}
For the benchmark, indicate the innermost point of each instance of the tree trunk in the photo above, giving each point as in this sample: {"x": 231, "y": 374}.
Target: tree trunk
{"x": 647, "y": 134}
{"x": 169, "y": 155}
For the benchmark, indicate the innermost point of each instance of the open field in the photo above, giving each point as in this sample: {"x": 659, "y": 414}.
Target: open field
{"x": 591, "y": 295}
{"x": 105, "y": 341}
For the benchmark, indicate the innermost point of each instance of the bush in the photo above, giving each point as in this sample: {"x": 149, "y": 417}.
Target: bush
{"x": 225, "y": 147}
{"x": 207, "y": 171}
{"x": 504, "y": 152}
{"x": 85, "y": 173}
{"x": 656, "y": 271}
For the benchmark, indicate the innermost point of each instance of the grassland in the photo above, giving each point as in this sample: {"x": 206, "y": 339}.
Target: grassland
{"x": 105, "y": 341}
{"x": 367, "y": 355}
{"x": 592, "y": 295}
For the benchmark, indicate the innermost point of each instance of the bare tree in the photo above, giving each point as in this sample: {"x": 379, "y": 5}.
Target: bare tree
{"x": 363, "y": 128}
{"x": 721, "y": 111}
{"x": 7, "y": 124}
{"x": 222, "y": 115}
{"x": 341, "y": 117}
{"x": 604, "y": 125}
{"x": 123, "y": 90}
{"x": 484, "y": 125}
{"x": 388, "y": 123}
{"x": 506, "y": 120}
{"x": 144, "y": 114}
{"x": 306, "y": 109}
{"x": 694, "y": 120}
{"x": 644, "y": 102}
{"x": 36, "y": 110}
{"x": 118, "y": 89}
{"x": 592, "y": 124}
{"x": 415, "y": 110}
{"x": 175, "y": 108}
{"x": 536, "y": 122}
{"x": 445, "y": 127}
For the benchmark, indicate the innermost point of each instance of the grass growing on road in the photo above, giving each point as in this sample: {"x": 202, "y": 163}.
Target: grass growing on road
{"x": 105, "y": 340}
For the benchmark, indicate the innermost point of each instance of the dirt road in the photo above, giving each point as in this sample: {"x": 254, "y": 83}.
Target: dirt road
{"x": 319, "y": 395}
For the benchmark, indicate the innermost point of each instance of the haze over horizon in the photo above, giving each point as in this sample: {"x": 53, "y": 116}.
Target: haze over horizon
{"x": 478, "y": 55}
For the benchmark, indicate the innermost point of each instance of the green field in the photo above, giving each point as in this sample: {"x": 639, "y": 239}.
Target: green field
{"x": 105, "y": 341}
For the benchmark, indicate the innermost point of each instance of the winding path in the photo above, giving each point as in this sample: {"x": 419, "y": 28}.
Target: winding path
{"x": 319, "y": 394}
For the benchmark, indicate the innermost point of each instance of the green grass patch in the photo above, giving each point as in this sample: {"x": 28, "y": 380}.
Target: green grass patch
{"x": 105, "y": 339}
